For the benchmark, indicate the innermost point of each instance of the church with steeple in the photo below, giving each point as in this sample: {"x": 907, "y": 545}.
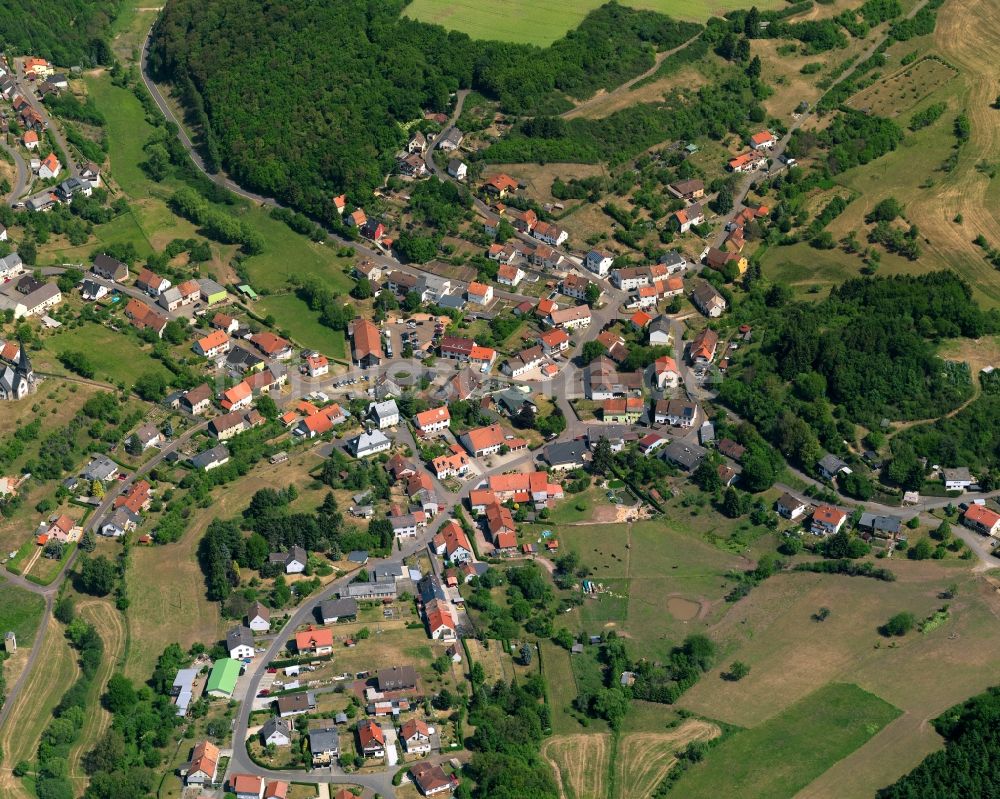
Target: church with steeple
{"x": 17, "y": 378}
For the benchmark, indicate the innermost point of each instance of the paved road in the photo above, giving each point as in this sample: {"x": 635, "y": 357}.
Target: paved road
{"x": 750, "y": 179}
{"x": 23, "y": 173}
{"x": 26, "y": 88}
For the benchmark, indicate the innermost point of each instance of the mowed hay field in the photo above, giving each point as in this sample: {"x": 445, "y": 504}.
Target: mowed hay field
{"x": 966, "y": 39}
{"x": 639, "y": 762}
{"x": 580, "y": 764}
{"x": 541, "y": 22}
{"x": 110, "y": 625}
{"x": 781, "y": 756}
{"x": 644, "y": 758}
{"x": 55, "y": 671}
{"x": 791, "y": 656}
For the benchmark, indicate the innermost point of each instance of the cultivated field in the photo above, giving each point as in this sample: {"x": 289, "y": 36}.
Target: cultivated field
{"x": 545, "y": 21}
{"x": 643, "y": 759}
{"x": 792, "y": 656}
{"x": 110, "y": 625}
{"x": 32, "y": 710}
{"x": 580, "y": 764}
{"x": 782, "y": 755}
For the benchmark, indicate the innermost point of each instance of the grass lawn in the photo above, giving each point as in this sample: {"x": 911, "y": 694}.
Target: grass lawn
{"x": 20, "y": 611}
{"x": 116, "y": 356}
{"x": 543, "y": 22}
{"x": 293, "y": 315}
{"x": 289, "y": 253}
{"x": 561, "y": 683}
{"x": 577, "y": 507}
{"x": 785, "y": 753}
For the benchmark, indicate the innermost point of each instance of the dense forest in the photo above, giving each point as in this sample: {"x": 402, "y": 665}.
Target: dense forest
{"x": 66, "y": 32}
{"x": 969, "y": 765}
{"x": 864, "y": 354}
{"x": 318, "y": 107}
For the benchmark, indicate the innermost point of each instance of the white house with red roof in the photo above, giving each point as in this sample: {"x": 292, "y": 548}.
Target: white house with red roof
{"x": 764, "y": 140}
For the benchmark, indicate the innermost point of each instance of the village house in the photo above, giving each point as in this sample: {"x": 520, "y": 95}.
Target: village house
{"x": 332, "y": 611}
{"x": 484, "y": 441}
{"x": 433, "y": 421}
{"x": 369, "y": 443}
{"x": 416, "y": 737}
{"x": 458, "y": 169}
{"x": 239, "y": 643}
{"x": 204, "y": 764}
{"x": 957, "y": 479}
{"x": 431, "y": 779}
{"x": 324, "y": 746}
{"x": 247, "y": 786}
{"x": 687, "y": 189}
{"x": 314, "y": 641}
{"x": 827, "y": 520}
{"x": 576, "y": 287}
{"x": 701, "y": 350}
{"x": 523, "y": 362}
{"x": 501, "y": 527}
{"x": 790, "y": 507}
{"x": 764, "y": 140}
{"x": 982, "y": 520}
{"x": 673, "y": 262}
{"x": 625, "y": 410}
{"x": 276, "y": 732}
{"x": 747, "y": 162}
{"x": 479, "y": 293}
{"x": 452, "y": 543}
{"x": 598, "y": 262}
{"x": 550, "y": 234}
{"x": 50, "y": 167}
{"x": 197, "y": 400}
{"x": 565, "y": 455}
{"x": 686, "y": 218}
{"x": 455, "y": 464}
{"x": 508, "y": 275}
{"x": 303, "y": 702}
{"x": 571, "y": 318}
{"x": 384, "y": 414}
{"x": 554, "y": 341}
{"x": 215, "y": 343}
{"x": 317, "y": 365}
{"x": 499, "y": 186}
{"x": 665, "y": 373}
{"x": 259, "y": 618}
{"x": 151, "y": 283}
{"x": 708, "y": 300}
{"x": 371, "y": 739}
{"x": 293, "y": 561}
{"x": 676, "y": 413}
{"x": 272, "y": 346}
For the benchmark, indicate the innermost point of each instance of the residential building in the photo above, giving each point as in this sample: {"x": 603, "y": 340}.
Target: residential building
{"x": 384, "y": 414}
{"x": 239, "y": 642}
{"x": 197, "y": 400}
{"x": 957, "y": 479}
{"x": 982, "y": 520}
{"x": 50, "y": 167}
{"x": 259, "y": 618}
{"x": 571, "y": 318}
{"x": 685, "y": 456}
{"x": 457, "y": 169}
{"x": 676, "y": 413}
{"x": 204, "y": 764}
{"x": 371, "y": 739}
{"x": 272, "y": 346}
{"x": 827, "y": 520}
{"x": 479, "y": 293}
{"x": 294, "y": 561}
{"x": 109, "y": 268}
{"x": 302, "y": 702}
{"x": 701, "y": 350}
{"x": 317, "y": 365}
{"x": 247, "y": 786}
{"x": 508, "y": 275}
{"x": 431, "y": 779}
{"x": 215, "y": 343}
{"x": 625, "y": 410}
{"x": 552, "y": 235}
{"x": 790, "y": 507}
{"x": 452, "y": 543}
{"x": 151, "y": 283}
{"x": 523, "y": 362}
{"x": 324, "y": 746}
{"x": 829, "y": 466}
{"x": 598, "y": 262}
{"x": 708, "y": 300}
{"x": 276, "y": 732}
{"x": 433, "y": 421}
{"x": 764, "y": 140}
{"x": 566, "y": 455}
{"x": 369, "y": 443}
{"x": 666, "y": 375}
{"x": 415, "y": 736}
{"x": 554, "y": 341}
{"x": 332, "y": 611}
{"x": 673, "y": 261}
{"x": 687, "y": 189}
{"x": 686, "y": 218}
{"x": 483, "y": 441}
